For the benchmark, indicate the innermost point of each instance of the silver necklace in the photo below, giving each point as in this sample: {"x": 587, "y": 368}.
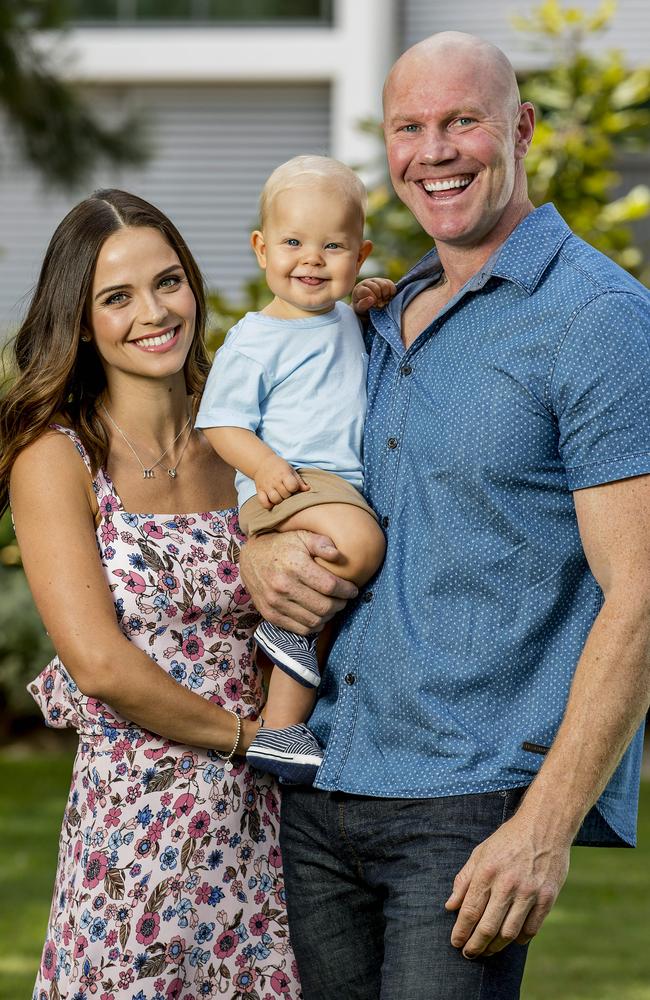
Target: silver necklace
{"x": 148, "y": 473}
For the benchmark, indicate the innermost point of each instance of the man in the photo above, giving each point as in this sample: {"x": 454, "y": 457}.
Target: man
{"x": 504, "y": 647}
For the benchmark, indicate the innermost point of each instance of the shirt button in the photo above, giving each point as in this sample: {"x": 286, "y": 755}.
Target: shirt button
{"x": 350, "y": 679}
{"x": 406, "y": 370}
{"x": 385, "y": 521}
{"x": 367, "y": 597}
{"x": 392, "y": 443}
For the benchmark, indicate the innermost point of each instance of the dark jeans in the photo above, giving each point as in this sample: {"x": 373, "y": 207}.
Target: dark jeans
{"x": 367, "y": 879}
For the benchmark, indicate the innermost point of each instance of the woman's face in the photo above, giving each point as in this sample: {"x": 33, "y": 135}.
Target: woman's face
{"x": 142, "y": 309}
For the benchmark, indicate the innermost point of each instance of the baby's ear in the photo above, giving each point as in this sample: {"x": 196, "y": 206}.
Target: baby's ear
{"x": 259, "y": 247}
{"x": 364, "y": 251}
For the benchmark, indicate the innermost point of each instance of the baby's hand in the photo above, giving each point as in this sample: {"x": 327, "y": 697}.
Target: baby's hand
{"x": 372, "y": 293}
{"x": 275, "y": 480}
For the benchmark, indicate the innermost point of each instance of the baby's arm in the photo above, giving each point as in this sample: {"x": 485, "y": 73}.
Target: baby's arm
{"x": 372, "y": 293}
{"x": 275, "y": 479}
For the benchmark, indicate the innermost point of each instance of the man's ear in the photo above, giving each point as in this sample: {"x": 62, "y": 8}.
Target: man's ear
{"x": 259, "y": 248}
{"x": 525, "y": 129}
{"x": 364, "y": 251}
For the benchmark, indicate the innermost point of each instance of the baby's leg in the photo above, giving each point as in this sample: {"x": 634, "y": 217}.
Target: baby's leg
{"x": 288, "y": 702}
{"x": 286, "y": 747}
{"x": 354, "y": 532}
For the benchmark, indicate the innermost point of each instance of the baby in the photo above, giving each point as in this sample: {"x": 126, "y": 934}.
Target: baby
{"x": 285, "y": 405}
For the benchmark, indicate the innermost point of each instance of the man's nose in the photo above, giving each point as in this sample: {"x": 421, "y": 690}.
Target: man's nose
{"x": 437, "y": 147}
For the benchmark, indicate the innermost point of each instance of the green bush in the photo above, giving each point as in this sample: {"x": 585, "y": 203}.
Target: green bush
{"x": 24, "y": 649}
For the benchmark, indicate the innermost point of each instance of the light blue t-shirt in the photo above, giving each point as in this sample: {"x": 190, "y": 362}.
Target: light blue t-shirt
{"x": 450, "y": 673}
{"x": 299, "y": 384}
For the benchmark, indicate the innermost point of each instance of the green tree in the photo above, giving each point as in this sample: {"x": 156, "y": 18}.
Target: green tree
{"x": 55, "y": 130}
{"x": 590, "y": 110}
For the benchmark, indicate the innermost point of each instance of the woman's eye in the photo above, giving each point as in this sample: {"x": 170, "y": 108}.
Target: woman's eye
{"x": 115, "y": 298}
{"x": 171, "y": 281}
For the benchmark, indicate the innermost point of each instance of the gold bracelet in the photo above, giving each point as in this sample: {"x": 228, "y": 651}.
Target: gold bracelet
{"x": 228, "y": 758}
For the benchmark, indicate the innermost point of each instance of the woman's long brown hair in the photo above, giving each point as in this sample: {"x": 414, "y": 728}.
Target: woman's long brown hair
{"x": 52, "y": 371}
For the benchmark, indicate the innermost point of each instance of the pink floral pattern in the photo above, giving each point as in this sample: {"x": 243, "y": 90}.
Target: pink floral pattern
{"x": 169, "y": 883}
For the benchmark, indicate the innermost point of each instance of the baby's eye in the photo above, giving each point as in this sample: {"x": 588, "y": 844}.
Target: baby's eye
{"x": 332, "y": 246}
{"x": 292, "y": 243}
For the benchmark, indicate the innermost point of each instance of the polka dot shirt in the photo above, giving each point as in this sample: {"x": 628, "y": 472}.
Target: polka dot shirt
{"x": 451, "y": 671}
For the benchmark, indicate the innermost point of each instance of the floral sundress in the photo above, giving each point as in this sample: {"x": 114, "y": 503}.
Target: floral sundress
{"x": 169, "y": 883}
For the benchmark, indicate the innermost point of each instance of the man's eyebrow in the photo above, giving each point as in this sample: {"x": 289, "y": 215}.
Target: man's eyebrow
{"x": 126, "y": 284}
{"x": 459, "y": 111}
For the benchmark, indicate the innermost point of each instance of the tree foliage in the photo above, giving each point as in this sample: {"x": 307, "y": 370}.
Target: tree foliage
{"x": 54, "y": 128}
{"x": 590, "y": 110}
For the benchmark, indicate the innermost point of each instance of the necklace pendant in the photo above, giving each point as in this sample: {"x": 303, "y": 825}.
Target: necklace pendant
{"x": 148, "y": 474}
{"x": 171, "y": 473}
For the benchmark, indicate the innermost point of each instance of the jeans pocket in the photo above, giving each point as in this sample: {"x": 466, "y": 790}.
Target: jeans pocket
{"x": 511, "y": 799}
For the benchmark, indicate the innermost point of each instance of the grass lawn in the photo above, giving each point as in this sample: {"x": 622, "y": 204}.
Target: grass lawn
{"x": 595, "y": 945}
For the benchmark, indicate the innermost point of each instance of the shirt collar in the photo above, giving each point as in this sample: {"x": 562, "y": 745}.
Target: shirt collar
{"x": 523, "y": 258}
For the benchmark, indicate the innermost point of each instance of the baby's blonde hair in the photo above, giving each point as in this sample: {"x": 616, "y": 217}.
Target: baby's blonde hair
{"x": 312, "y": 169}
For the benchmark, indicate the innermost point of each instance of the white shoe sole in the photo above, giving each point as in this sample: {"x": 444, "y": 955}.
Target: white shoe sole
{"x": 302, "y": 674}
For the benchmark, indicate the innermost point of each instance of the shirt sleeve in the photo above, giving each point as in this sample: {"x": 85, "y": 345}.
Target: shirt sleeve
{"x": 233, "y": 392}
{"x": 600, "y": 391}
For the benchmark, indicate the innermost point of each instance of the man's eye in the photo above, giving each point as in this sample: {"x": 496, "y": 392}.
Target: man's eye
{"x": 410, "y": 128}
{"x": 465, "y": 121}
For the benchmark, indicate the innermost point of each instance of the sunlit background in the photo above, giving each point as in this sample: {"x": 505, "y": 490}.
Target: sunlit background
{"x": 191, "y": 104}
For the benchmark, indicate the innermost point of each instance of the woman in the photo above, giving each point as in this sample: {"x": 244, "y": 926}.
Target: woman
{"x": 169, "y": 881}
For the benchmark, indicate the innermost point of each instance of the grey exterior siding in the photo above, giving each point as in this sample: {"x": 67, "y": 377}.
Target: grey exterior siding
{"x": 629, "y": 29}
{"x": 213, "y": 147}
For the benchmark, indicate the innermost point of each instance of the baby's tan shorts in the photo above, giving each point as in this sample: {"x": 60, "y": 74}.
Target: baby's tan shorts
{"x": 326, "y": 487}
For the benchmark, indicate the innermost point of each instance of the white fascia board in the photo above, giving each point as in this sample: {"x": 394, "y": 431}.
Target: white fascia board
{"x": 196, "y": 55}
{"x": 352, "y": 57}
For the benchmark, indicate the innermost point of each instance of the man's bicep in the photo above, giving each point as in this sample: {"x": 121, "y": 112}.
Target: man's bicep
{"x": 614, "y": 523}
{"x": 599, "y": 391}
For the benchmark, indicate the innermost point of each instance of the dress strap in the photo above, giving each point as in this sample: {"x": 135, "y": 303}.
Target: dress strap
{"x": 102, "y": 486}
{"x": 76, "y": 440}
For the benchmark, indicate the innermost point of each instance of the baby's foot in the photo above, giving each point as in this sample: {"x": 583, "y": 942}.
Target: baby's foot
{"x": 294, "y": 654}
{"x": 293, "y": 754}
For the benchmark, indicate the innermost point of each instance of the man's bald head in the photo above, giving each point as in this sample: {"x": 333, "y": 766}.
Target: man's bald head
{"x": 453, "y": 47}
{"x": 456, "y": 137}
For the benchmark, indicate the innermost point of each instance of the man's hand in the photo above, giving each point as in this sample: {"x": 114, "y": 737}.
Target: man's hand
{"x": 275, "y": 480}
{"x": 507, "y": 887}
{"x": 290, "y": 589}
{"x": 372, "y": 293}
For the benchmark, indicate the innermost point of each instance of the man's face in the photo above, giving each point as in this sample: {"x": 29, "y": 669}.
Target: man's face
{"x": 455, "y": 137}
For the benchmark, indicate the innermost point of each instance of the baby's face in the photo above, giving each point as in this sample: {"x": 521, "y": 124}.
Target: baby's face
{"x": 311, "y": 249}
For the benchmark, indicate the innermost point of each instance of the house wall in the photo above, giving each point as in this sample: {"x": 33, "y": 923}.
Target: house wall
{"x": 213, "y": 148}
{"x": 629, "y": 29}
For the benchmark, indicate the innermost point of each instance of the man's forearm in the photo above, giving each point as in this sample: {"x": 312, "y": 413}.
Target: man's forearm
{"x": 608, "y": 700}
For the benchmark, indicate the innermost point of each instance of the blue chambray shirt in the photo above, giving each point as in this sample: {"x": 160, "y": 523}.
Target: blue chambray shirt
{"x": 534, "y": 381}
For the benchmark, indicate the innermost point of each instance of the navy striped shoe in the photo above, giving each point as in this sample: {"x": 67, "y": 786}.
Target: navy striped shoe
{"x": 292, "y": 754}
{"x": 295, "y": 654}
